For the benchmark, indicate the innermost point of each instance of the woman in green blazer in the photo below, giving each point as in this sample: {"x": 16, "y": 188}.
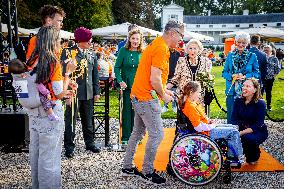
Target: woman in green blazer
{"x": 125, "y": 69}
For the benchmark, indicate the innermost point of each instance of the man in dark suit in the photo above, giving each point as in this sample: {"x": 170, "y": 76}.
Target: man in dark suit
{"x": 261, "y": 58}
{"x": 86, "y": 76}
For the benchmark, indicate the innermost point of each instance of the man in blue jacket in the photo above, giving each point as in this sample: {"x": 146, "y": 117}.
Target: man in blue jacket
{"x": 261, "y": 58}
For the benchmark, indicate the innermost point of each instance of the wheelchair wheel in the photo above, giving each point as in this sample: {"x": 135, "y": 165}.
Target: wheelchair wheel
{"x": 196, "y": 159}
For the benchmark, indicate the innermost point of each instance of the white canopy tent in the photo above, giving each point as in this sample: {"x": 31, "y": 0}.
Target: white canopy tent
{"x": 21, "y": 31}
{"x": 121, "y": 30}
{"x": 63, "y": 34}
{"x": 192, "y": 35}
{"x": 27, "y": 32}
{"x": 266, "y": 33}
{"x": 66, "y": 34}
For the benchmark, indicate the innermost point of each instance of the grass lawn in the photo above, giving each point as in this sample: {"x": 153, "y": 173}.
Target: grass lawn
{"x": 277, "y": 98}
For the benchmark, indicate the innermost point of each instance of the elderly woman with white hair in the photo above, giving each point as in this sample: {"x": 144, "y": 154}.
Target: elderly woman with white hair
{"x": 272, "y": 70}
{"x": 239, "y": 66}
{"x": 188, "y": 66}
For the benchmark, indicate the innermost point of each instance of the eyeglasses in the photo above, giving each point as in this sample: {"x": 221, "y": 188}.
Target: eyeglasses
{"x": 181, "y": 35}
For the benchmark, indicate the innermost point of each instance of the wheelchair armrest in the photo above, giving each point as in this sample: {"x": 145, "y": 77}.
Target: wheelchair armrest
{"x": 182, "y": 126}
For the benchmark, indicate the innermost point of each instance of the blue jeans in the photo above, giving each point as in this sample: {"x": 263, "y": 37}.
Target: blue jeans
{"x": 147, "y": 116}
{"x": 232, "y": 135}
{"x": 230, "y": 105}
{"x": 45, "y": 147}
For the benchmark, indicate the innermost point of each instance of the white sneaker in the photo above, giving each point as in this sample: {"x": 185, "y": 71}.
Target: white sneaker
{"x": 164, "y": 109}
{"x": 175, "y": 109}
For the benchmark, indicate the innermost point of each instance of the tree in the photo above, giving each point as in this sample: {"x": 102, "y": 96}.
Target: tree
{"x": 148, "y": 11}
{"x": 273, "y": 6}
{"x": 191, "y": 7}
{"x": 125, "y": 11}
{"x": 223, "y": 7}
{"x": 254, "y": 6}
{"x": 26, "y": 18}
{"x": 88, "y": 13}
{"x": 209, "y": 5}
{"x": 227, "y": 7}
{"x": 139, "y": 12}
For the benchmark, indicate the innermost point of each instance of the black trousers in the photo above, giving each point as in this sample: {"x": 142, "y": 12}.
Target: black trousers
{"x": 268, "y": 84}
{"x": 251, "y": 144}
{"x": 86, "y": 109}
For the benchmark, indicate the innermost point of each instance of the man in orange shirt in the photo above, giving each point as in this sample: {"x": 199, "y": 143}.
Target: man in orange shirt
{"x": 150, "y": 85}
{"x": 50, "y": 16}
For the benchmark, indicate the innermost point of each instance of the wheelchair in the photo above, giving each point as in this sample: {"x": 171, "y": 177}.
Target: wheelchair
{"x": 195, "y": 159}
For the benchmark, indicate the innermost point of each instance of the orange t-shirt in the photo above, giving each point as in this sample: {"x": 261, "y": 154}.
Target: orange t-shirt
{"x": 31, "y": 47}
{"x": 56, "y": 77}
{"x": 195, "y": 114}
{"x": 156, "y": 54}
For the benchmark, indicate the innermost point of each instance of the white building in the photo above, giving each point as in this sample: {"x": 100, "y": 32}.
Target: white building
{"x": 213, "y": 25}
{"x": 171, "y": 12}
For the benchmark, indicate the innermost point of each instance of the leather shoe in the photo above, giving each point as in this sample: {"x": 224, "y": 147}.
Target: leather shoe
{"x": 69, "y": 154}
{"x": 93, "y": 149}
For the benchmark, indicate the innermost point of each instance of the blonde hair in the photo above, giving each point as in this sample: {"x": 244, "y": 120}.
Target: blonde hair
{"x": 194, "y": 41}
{"x": 132, "y": 32}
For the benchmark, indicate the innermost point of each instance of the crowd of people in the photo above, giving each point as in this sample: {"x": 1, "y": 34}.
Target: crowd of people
{"x": 69, "y": 72}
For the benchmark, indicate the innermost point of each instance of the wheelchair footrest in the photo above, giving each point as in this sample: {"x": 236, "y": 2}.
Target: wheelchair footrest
{"x": 235, "y": 164}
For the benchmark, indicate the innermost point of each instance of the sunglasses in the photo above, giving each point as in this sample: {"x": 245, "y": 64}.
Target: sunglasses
{"x": 181, "y": 35}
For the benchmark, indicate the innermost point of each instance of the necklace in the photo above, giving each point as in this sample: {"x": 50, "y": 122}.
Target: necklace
{"x": 192, "y": 62}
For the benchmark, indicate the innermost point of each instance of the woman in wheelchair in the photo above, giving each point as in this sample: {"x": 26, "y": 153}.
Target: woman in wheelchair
{"x": 188, "y": 104}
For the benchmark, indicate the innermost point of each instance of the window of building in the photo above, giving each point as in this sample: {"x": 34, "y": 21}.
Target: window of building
{"x": 223, "y": 26}
{"x": 173, "y": 17}
{"x": 264, "y": 24}
{"x": 250, "y": 25}
{"x": 238, "y": 25}
{"x": 198, "y": 26}
{"x": 278, "y": 24}
{"x": 210, "y": 26}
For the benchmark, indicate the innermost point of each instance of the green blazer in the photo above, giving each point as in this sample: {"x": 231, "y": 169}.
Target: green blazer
{"x": 88, "y": 83}
{"x": 126, "y": 65}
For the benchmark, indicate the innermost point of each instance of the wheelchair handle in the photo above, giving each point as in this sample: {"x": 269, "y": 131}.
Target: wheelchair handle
{"x": 176, "y": 98}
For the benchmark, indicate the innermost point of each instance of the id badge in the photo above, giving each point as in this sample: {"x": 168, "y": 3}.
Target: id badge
{"x": 21, "y": 88}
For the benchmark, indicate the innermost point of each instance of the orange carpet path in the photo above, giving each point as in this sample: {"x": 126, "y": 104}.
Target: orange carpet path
{"x": 266, "y": 162}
